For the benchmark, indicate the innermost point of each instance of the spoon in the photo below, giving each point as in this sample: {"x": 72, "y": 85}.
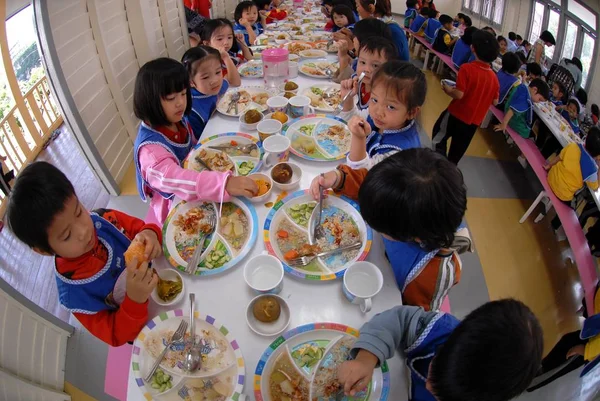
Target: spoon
{"x": 193, "y": 359}
{"x": 340, "y": 107}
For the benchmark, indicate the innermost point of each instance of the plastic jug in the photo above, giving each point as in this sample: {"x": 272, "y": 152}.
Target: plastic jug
{"x": 275, "y": 67}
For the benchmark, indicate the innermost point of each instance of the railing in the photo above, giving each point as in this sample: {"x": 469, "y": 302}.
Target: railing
{"x": 16, "y": 142}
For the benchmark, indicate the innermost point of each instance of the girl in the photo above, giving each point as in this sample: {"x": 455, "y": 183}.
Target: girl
{"x": 161, "y": 99}
{"x": 382, "y": 9}
{"x": 557, "y": 96}
{"x": 246, "y": 21}
{"x": 342, "y": 17}
{"x": 503, "y": 44}
{"x": 218, "y": 33}
{"x": 203, "y": 64}
{"x": 398, "y": 92}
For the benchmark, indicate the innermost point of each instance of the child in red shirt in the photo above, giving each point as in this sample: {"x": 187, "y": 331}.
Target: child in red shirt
{"x": 476, "y": 89}
{"x": 108, "y": 297}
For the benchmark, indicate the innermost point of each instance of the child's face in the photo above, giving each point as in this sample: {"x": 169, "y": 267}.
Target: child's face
{"x": 72, "y": 233}
{"x": 251, "y": 15}
{"x": 276, "y": 3}
{"x": 222, "y": 38}
{"x": 503, "y": 46}
{"x": 386, "y": 110}
{"x": 174, "y": 106}
{"x": 519, "y": 41}
{"x": 572, "y": 109}
{"x": 535, "y": 96}
{"x": 448, "y": 26}
{"x": 209, "y": 77}
{"x": 340, "y": 20}
{"x": 368, "y": 62}
{"x": 362, "y": 12}
{"x": 556, "y": 93}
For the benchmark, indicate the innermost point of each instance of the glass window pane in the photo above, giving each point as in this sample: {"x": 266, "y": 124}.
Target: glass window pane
{"x": 467, "y": 3}
{"x": 536, "y": 22}
{"x": 587, "y": 52}
{"x": 570, "y": 40}
{"x": 475, "y": 5}
{"x": 487, "y": 8}
{"x": 553, "y": 20}
{"x": 582, "y": 13}
{"x": 498, "y": 11}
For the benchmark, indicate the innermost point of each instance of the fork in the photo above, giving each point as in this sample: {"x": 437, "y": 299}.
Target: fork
{"x": 177, "y": 337}
{"x": 234, "y": 99}
{"x": 318, "y": 228}
{"x": 195, "y": 259}
{"x": 306, "y": 260}
{"x": 340, "y": 107}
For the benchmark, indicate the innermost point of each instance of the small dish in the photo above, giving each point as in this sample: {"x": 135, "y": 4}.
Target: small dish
{"x": 265, "y": 196}
{"x": 244, "y": 126}
{"x": 273, "y": 328}
{"x": 281, "y": 87}
{"x": 270, "y": 117}
{"x": 293, "y": 182}
{"x": 173, "y": 275}
{"x": 313, "y": 53}
{"x": 448, "y": 82}
{"x": 264, "y": 274}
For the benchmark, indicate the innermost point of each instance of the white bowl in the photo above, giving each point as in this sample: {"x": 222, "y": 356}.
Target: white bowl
{"x": 244, "y": 126}
{"x": 264, "y": 274}
{"x": 273, "y": 328}
{"x": 265, "y": 196}
{"x": 294, "y": 57}
{"x": 294, "y": 182}
{"x": 270, "y": 117}
{"x": 313, "y": 53}
{"x": 281, "y": 41}
{"x": 281, "y": 87}
{"x": 168, "y": 274}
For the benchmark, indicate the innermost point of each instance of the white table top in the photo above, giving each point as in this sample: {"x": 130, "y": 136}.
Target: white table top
{"x": 226, "y": 296}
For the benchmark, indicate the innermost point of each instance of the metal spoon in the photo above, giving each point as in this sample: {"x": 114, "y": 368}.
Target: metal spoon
{"x": 193, "y": 359}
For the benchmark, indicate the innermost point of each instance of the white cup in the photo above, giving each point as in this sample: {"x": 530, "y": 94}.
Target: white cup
{"x": 300, "y": 106}
{"x": 362, "y": 281}
{"x": 264, "y": 274}
{"x": 293, "y": 69}
{"x": 277, "y": 103}
{"x": 277, "y": 150}
{"x": 268, "y": 128}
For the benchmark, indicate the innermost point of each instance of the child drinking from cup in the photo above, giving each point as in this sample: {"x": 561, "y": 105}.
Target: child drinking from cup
{"x": 218, "y": 33}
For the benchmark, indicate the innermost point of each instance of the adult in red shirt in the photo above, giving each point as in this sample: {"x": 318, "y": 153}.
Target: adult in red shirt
{"x": 476, "y": 89}
{"x": 202, "y": 7}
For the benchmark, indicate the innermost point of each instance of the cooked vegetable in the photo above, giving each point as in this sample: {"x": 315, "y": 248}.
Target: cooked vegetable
{"x": 301, "y": 213}
{"x": 245, "y": 168}
{"x": 291, "y": 254}
{"x": 308, "y": 356}
{"x": 290, "y": 86}
{"x": 263, "y": 186}
{"x": 216, "y": 258}
{"x": 167, "y": 289}
{"x": 161, "y": 381}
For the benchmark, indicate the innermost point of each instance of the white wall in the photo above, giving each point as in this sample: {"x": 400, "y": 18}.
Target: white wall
{"x": 594, "y": 92}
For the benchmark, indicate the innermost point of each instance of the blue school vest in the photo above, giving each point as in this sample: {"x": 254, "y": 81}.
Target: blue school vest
{"x": 407, "y": 259}
{"x": 398, "y": 37}
{"x": 420, "y": 354}
{"x": 507, "y": 82}
{"x": 417, "y": 23}
{"x": 390, "y": 140}
{"x": 409, "y": 14}
{"x": 461, "y": 53}
{"x": 574, "y": 125}
{"x": 149, "y": 136}
{"x": 203, "y": 107}
{"x": 257, "y": 28}
{"x": 337, "y": 28}
{"x": 433, "y": 26}
{"x": 589, "y": 168}
{"x": 94, "y": 294}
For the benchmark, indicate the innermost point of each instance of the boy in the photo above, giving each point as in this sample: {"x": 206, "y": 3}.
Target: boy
{"x": 476, "y": 90}
{"x": 492, "y": 355}
{"x": 462, "y": 48}
{"x": 444, "y": 42}
{"x": 519, "y": 107}
{"x": 524, "y": 47}
{"x": 420, "y": 22}
{"x": 433, "y": 24}
{"x": 246, "y": 21}
{"x": 507, "y": 76}
{"x": 411, "y": 13}
{"x": 571, "y": 114}
{"x": 106, "y": 295}
{"x": 530, "y": 71}
{"x": 512, "y": 42}
{"x": 416, "y": 199}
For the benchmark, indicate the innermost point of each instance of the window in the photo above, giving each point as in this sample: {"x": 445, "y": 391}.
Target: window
{"x": 553, "y": 22}
{"x": 570, "y": 40}
{"x": 498, "y": 12}
{"x": 582, "y": 13}
{"x": 486, "y": 11}
{"x": 587, "y": 53}
{"x": 536, "y": 22}
{"x": 491, "y": 11}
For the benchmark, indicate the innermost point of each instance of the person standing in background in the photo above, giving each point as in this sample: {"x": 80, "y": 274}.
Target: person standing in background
{"x": 202, "y": 7}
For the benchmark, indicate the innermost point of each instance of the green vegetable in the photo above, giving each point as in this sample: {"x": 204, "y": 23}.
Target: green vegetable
{"x": 307, "y": 129}
{"x": 244, "y": 168}
{"x": 300, "y": 214}
{"x": 308, "y": 356}
{"x": 217, "y": 257}
{"x": 161, "y": 381}
{"x": 316, "y": 91}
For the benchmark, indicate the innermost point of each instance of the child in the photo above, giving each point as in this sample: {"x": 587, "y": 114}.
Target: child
{"x": 490, "y": 30}
{"x": 525, "y": 48}
{"x": 507, "y": 76}
{"x": 458, "y": 20}
{"x": 512, "y": 42}
{"x": 107, "y": 295}
{"x": 161, "y": 99}
{"x": 433, "y": 24}
{"x": 530, "y": 71}
{"x": 503, "y": 44}
{"x": 416, "y": 199}
{"x": 493, "y": 354}
{"x": 444, "y": 42}
{"x": 342, "y": 17}
{"x": 420, "y": 22}
{"x": 462, "y": 48}
{"x": 467, "y": 23}
{"x": 411, "y": 13}
{"x": 476, "y": 90}
{"x": 218, "y": 33}
{"x": 269, "y": 10}
{"x": 595, "y": 113}
{"x": 558, "y": 95}
{"x": 203, "y": 64}
{"x": 398, "y": 91}
{"x": 429, "y": 4}
{"x": 571, "y": 114}
{"x": 246, "y": 21}
{"x": 374, "y": 51}
{"x": 519, "y": 107}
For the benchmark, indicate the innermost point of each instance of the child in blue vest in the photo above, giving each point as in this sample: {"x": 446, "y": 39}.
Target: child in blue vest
{"x": 411, "y": 13}
{"x": 493, "y": 354}
{"x": 247, "y": 22}
{"x": 398, "y": 91}
{"x": 203, "y": 64}
{"x": 444, "y": 41}
{"x": 433, "y": 25}
{"x": 218, "y": 34}
{"x": 462, "y": 52}
{"x": 108, "y": 296}
{"x": 342, "y": 17}
{"x": 420, "y": 22}
{"x": 507, "y": 76}
{"x": 571, "y": 114}
{"x": 558, "y": 94}
{"x": 162, "y": 99}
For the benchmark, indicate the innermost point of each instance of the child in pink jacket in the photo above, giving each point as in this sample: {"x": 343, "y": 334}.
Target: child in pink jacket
{"x": 161, "y": 99}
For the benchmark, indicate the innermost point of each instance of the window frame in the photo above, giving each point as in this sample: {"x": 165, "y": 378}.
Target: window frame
{"x": 477, "y": 10}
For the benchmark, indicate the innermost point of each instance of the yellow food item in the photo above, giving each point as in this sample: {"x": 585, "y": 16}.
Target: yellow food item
{"x": 252, "y": 116}
{"x": 290, "y": 86}
{"x": 135, "y": 251}
{"x": 289, "y": 95}
{"x": 280, "y": 116}
{"x": 267, "y": 309}
{"x": 263, "y": 186}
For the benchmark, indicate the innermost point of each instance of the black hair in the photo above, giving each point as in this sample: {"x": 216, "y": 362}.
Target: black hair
{"x": 541, "y": 86}
{"x": 525, "y": 43}
{"x": 194, "y": 56}
{"x": 575, "y": 102}
{"x": 499, "y": 348}
{"x": 546, "y": 36}
{"x": 446, "y": 19}
{"x": 485, "y": 46}
{"x": 577, "y": 63}
{"x": 582, "y": 96}
{"x": 342, "y": 9}
{"x": 212, "y": 25}
{"x": 379, "y": 45}
{"x": 592, "y": 142}
{"x": 241, "y": 7}
{"x": 512, "y": 36}
{"x": 39, "y": 194}
{"x": 411, "y": 3}
{"x": 371, "y": 27}
{"x": 511, "y": 63}
{"x": 522, "y": 57}
{"x": 460, "y": 15}
{"x": 468, "y": 22}
{"x": 490, "y": 30}
{"x": 415, "y": 194}
{"x": 519, "y": 37}
{"x": 155, "y": 80}
{"x": 562, "y": 89}
{"x": 501, "y": 39}
{"x": 406, "y": 80}
{"x": 382, "y": 7}
{"x": 467, "y": 36}
{"x": 262, "y": 4}
{"x": 424, "y": 11}
{"x": 349, "y": 3}
{"x": 327, "y": 3}
{"x": 431, "y": 13}
{"x": 533, "y": 69}
{"x": 595, "y": 110}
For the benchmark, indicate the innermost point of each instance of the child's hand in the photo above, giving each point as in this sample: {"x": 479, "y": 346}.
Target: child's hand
{"x": 244, "y": 22}
{"x": 241, "y": 186}
{"x": 152, "y": 248}
{"x": 140, "y": 281}
{"x": 263, "y": 13}
{"x": 326, "y": 181}
{"x": 347, "y": 86}
{"x": 500, "y": 127}
{"x": 224, "y": 53}
{"x": 359, "y": 127}
{"x": 240, "y": 39}
{"x": 356, "y": 375}
{"x": 576, "y": 350}
{"x": 547, "y": 167}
